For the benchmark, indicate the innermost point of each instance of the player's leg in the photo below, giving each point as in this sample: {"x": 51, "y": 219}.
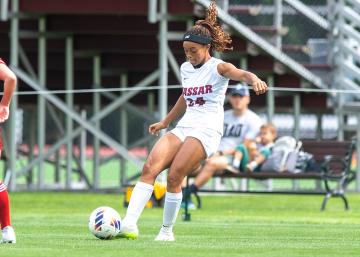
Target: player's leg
{"x": 212, "y": 165}
{"x": 188, "y": 158}
{"x": 8, "y": 234}
{"x": 159, "y": 159}
{"x": 187, "y": 191}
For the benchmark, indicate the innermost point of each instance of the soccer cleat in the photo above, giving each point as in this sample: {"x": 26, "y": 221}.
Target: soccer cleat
{"x": 8, "y": 235}
{"x": 165, "y": 236}
{"x": 129, "y": 232}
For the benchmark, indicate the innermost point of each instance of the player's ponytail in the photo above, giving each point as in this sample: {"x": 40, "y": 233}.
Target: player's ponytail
{"x": 209, "y": 30}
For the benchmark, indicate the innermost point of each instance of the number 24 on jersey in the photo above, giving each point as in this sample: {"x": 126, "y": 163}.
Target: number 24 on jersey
{"x": 199, "y": 101}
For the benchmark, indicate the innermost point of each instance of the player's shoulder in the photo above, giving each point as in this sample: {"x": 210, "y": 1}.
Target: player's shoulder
{"x": 217, "y": 60}
{"x": 186, "y": 66}
{"x": 186, "y": 69}
{"x": 217, "y": 66}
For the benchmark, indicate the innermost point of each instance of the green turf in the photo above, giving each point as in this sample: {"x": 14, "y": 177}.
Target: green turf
{"x": 55, "y": 224}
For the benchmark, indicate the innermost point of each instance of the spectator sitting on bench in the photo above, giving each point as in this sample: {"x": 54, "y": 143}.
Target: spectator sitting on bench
{"x": 252, "y": 153}
{"x": 240, "y": 124}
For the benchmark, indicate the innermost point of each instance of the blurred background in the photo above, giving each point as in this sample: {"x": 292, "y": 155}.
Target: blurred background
{"x": 93, "y": 75}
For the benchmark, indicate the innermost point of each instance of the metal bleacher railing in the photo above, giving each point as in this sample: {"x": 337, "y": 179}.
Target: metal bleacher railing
{"x": 318, "y": 40}
{"x": 272, "y": 26}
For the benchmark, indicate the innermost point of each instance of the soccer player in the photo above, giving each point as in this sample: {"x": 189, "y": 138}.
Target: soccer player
{"x": 9, "y": 78}
{"x": 198, "y": 133}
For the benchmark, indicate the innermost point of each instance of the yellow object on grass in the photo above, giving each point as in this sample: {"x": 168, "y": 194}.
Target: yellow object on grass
{"x": 159, "y": 193}
{"x": 159, "y": 190}
{"x": 128, "y": 192}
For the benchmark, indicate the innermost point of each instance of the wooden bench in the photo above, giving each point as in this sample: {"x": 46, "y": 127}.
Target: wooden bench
{"x": 334, "y": 157}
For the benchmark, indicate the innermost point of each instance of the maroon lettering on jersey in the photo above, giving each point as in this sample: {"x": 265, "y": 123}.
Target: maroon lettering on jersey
{"x": 208, "y": 89}
{"x": 201, "y": 90}
{"x": 184, "y": 91}
{"x": 190, "y": 91}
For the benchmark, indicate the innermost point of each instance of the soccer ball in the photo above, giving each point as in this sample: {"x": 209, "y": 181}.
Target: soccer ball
{"x": 104, "y": 222}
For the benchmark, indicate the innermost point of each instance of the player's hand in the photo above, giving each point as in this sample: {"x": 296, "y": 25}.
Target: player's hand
{"x": 259, "y": 86}
{"x": 4, "y": 113}
{"x": 154, "y": 128}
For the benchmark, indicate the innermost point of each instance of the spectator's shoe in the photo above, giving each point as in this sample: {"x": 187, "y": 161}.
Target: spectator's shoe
{"x": 129, "y": 231}
{"x": 8, "y": 235}
{"x": 191, "y": 205}
{"x": 232, "y": 169}
{"x": 248, "y": 169}
{"x": 251, "y": 166}
{"x": 165, "y": 236}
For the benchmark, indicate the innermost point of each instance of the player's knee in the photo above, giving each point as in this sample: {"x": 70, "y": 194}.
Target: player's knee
{"x": 147, "y": 171}
{"x": 174, "y": 181}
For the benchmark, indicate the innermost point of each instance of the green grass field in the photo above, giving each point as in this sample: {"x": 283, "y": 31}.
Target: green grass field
{"x": 55, "y": 224}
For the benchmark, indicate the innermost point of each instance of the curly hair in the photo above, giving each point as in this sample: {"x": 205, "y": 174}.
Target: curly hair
{"x": 220, "y": 40}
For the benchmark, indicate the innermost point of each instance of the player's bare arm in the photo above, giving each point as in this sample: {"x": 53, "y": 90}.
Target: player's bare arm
{"x": 228, "y": 70}
{"x": 9, "y": 79}
{"x": 178, "y": 110}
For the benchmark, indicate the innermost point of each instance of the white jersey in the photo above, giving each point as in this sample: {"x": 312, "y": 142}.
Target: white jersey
{"x": 204, "y": 92}
{"x": 239, "y": 128}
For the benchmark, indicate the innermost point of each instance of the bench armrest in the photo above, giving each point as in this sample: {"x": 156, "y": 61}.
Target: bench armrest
{"x": 327, "y": 167}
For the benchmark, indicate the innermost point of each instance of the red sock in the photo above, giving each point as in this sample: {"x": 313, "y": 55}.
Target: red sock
{"x": 4, "y": 207}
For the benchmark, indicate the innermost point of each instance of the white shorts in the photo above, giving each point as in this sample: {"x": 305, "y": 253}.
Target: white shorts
{"x": 210, "y": 139}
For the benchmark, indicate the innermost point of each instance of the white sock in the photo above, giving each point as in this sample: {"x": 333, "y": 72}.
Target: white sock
{"x": 139, "y": 197}
{"x": 236, "y": 163}
{"x": 171, "y": 210}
